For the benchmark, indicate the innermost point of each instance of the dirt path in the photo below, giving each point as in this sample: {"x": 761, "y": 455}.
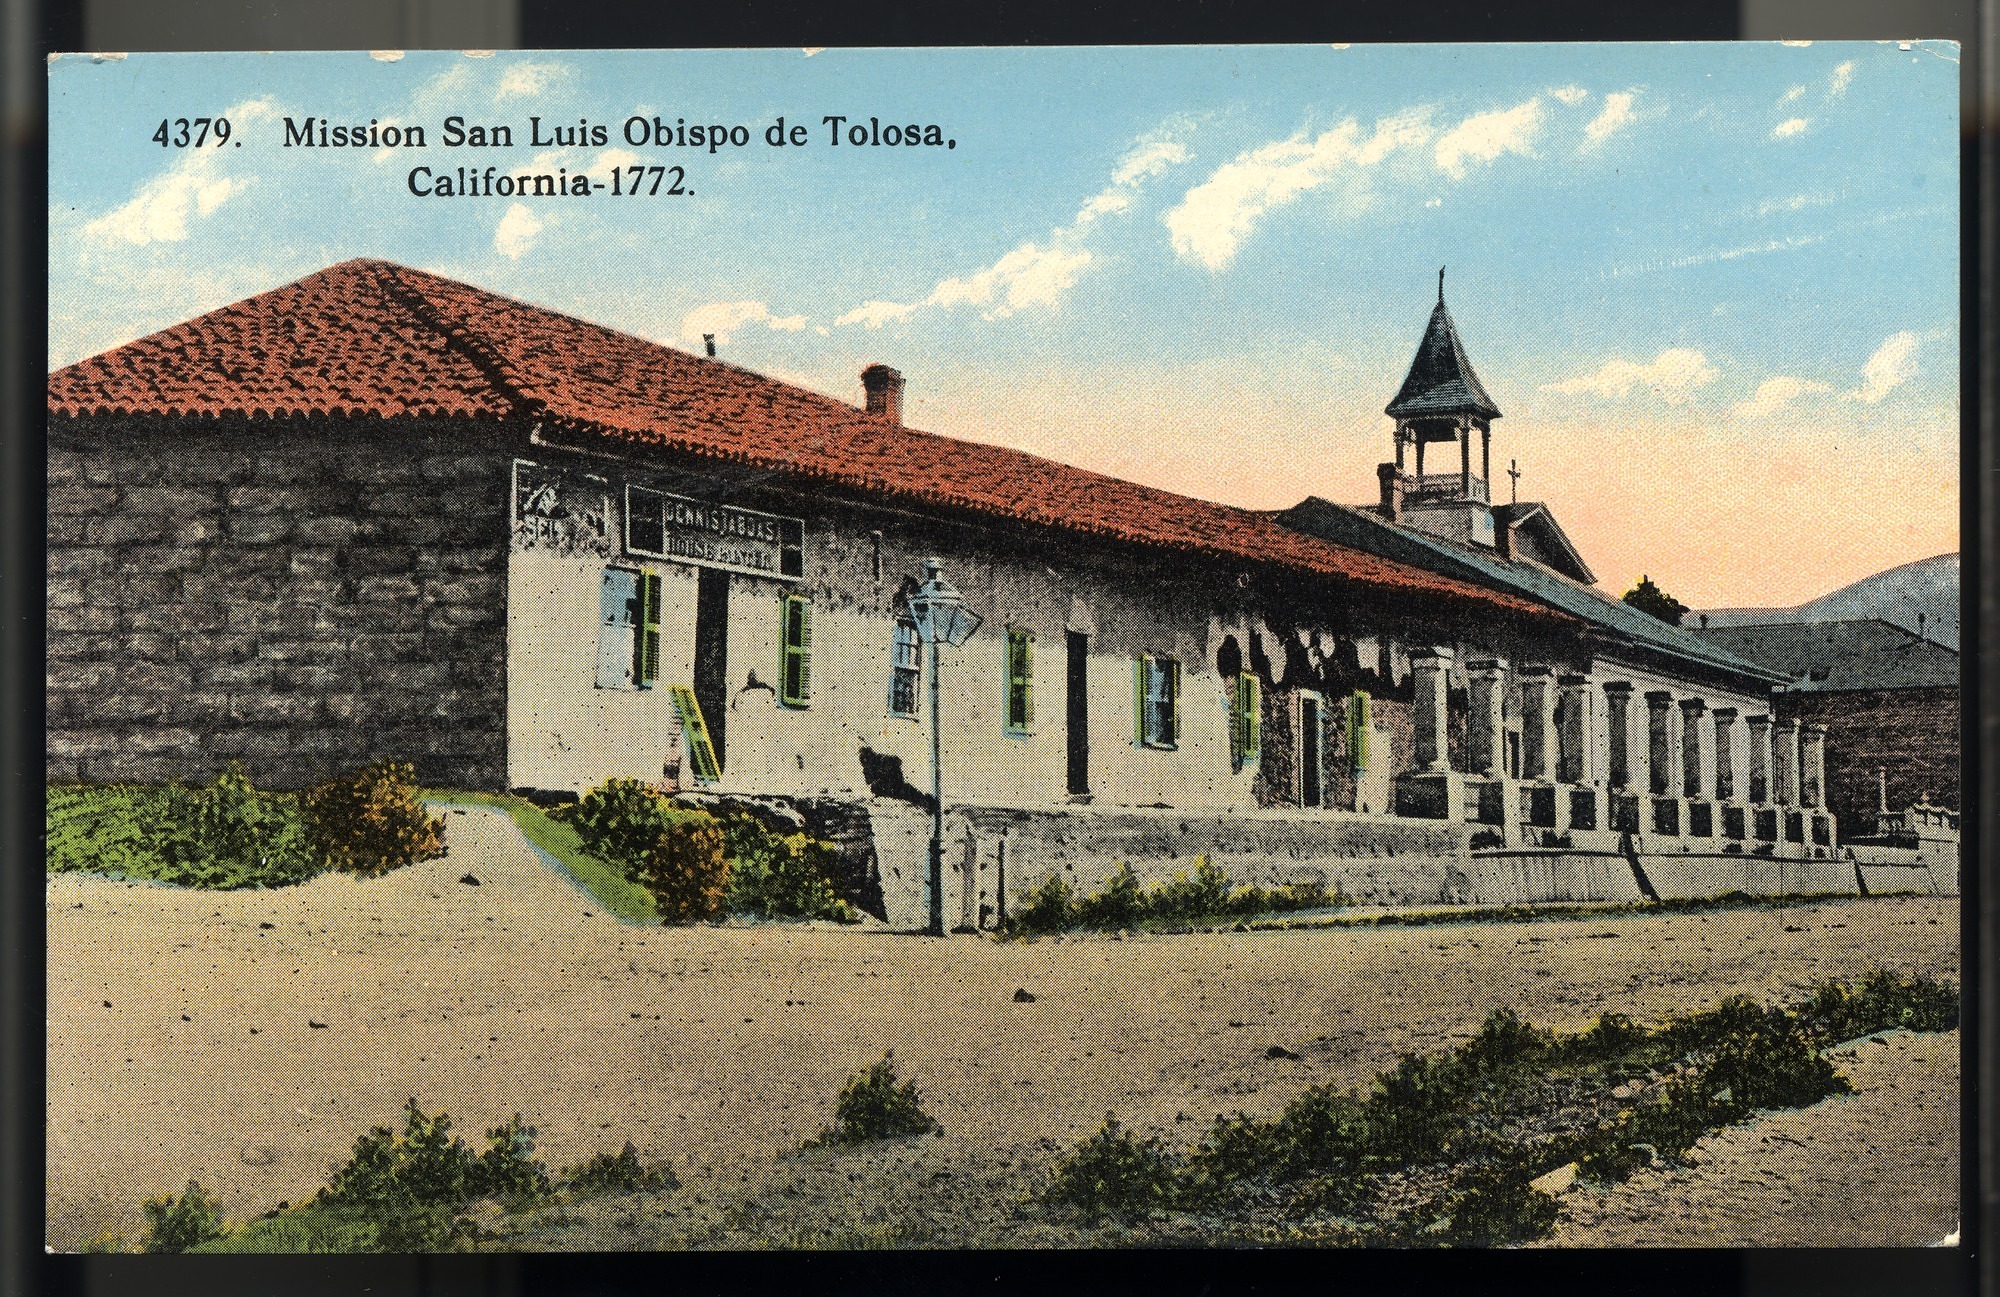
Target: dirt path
{"x": 716, "y": 1047}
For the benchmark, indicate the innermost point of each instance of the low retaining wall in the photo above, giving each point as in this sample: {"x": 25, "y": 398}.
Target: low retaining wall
{"x": 995, "y": 856}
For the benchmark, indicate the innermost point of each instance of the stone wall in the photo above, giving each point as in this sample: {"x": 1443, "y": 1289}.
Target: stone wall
{"x": 303, "y": 598}
{"x": 1913, "y": 733}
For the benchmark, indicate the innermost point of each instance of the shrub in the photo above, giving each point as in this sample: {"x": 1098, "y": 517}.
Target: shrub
{"x": 428, "y": 1165}
{"x": 230, "y": 835}
{"x": 1414, "y": 1110}
{"x": 788, "y": 877}
{"x": 509, "y": 1167}
{"x": 606, "y": 1173}
{"x": 1771, "y": 1066}
{"x": 1612, "y": 1036}
{"x": 371, "y": 821}
{"x": 1050, "y": 907}
{"x": 873, "y": 1106}
{"x": 684, "y": 870}
{"x": 178, "y": 1224}
{"x": 1493, "y": 1206}
{"x": 1119, "y": 905}
{"x": 1502, "y": 1042}
{"x": 223, "y": 836}
{"x": 621, "y": 819}
{"x": 1115, "y": 1173}
{"x": 1884, "y": 1001}
{"x": 1322, "y": 1130}
{"x": 1184, "y": 897}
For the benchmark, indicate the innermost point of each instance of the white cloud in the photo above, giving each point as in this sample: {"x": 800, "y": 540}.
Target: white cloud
{"x": 1789, "y": 127}
{"x": 1774, "y": 394}
{"x": 1672, "y": 376}
{"x": 1843, "y": 76}
{"x": 873, "y": 315}
{"x": 195, "y": 185}
{"x": 525, "y": 79}
{"x": 723, "y": 319}
{"x": 1214, "y": 217}
{"x": 598, "y": 167}
{"x": 1893, "y": 364}
{"x": 1790, "y": 95}
{"x": 1041, "y": 273}
{"x": 1148, "y": 159}
{"x": 1571, "y": 95}
{"x": 1434, "y": 202}
{"x": 516, "y": 231}
{"x": 1030, "y": 275}
{"x": 1485, "y": 136}
{"x": 1616, "y": 116}
{"x": 1795, "y": 203}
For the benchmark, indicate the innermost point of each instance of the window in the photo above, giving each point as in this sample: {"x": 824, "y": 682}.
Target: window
{"x": 795, "y": 652}
{"x": 1018, "y": 714}
{"x": 1360, "y": 724}
{"x": 694, "y": 734}
{"x": 906, "y": 668}
{"x": 1156, "y": 688}
{"x": 628, "y": 632}
{"x": 1246, "y": 715}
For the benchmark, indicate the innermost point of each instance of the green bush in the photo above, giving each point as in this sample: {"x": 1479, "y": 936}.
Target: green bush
{"x": 1050, "y": 907}
{"x": 873, "y": 1106}
{"x": 606, "y": 1173}
{"x": 685, "y": 871}
{"x": 621, "y": 820}
{"x": 1119, "y": 905}
{"x": 226, "y": 835}
{"x": 788, "y": 877}
{"x": 1504, "y": 1042}
{"x": 178, "y": 1224}
{"x": 1207, "y": 892}
{"x": 1772, "y": 1066}
{"x": 1414, "y": 1110}
{"x": 1115, "y": 1173}
{"x": 371, "y": 821}
{"x": 1883, "y": 1002}
{"x": 428, "y": 1165}
{"x": 1492, "y": 1207}
{"x": 1323, "y": 1130}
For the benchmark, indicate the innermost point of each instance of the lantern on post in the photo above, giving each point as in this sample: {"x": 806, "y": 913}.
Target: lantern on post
{"x": 941, "y": 617}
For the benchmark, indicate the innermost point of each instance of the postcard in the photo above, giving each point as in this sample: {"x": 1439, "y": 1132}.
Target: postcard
{"x": 1012, "y": 648}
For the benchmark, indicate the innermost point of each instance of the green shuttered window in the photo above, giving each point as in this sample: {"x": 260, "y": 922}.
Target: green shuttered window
{"x": 1020, "y": 701}
{"x": 1156, "y": 691}
{"x": 1359, "y": 726}
{"x": 1246, "y": 716}
{"x": 795, "y": 666}
{"x": 646, "y": 668}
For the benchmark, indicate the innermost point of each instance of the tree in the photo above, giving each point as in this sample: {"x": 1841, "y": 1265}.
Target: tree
{"x": 1650, "y": 599}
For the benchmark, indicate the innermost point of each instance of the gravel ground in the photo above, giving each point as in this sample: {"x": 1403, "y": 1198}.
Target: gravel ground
{"x": 245, "y": 1039}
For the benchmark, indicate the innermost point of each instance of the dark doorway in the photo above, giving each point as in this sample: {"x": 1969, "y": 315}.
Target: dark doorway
{"x": 1076, "y": 714}
{"x": 711, "y": 655}
{"x": 1310, "y": 793}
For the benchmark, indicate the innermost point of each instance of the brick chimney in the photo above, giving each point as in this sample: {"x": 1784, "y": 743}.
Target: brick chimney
{"x": 884, "y": 387}
{"x": 1392, "y": 491}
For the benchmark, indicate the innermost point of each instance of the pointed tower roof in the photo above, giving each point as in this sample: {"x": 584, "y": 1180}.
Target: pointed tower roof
{"x": 1441, "y": 381}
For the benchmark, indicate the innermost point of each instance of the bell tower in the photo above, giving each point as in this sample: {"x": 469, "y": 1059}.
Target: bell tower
{"x": 1440, "y": 403}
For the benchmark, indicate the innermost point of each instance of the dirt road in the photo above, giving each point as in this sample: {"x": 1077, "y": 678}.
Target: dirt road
{"x": 245, "y": 1039}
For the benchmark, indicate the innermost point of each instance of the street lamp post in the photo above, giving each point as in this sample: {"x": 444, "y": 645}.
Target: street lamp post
{"x": 941, "y": 617}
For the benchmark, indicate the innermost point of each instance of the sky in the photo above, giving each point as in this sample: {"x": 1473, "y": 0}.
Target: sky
{"x": 1712, "y": 288}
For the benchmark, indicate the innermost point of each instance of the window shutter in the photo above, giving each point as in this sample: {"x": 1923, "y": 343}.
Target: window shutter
{"x": 795, "y": 669}
{"x": 1246, "y": 720}
{"x": 649, "y": 629}
{"x": 1170, "y": 721}
{"x": 694, "y": 731}
{"x": 1358, "y": 726}
{"x": 1141, "y": 668}
{"x": 1027, "y": 681}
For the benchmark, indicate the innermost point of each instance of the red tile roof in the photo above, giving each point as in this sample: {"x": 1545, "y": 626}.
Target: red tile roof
{"x": 376, "y": 340}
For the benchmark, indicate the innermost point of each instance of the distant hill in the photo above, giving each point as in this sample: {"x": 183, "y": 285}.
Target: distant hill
{"x": 1928, "y": 586}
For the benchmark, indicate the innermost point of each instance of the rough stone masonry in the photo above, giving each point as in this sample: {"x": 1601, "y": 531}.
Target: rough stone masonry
{"x": 305, "y": 600}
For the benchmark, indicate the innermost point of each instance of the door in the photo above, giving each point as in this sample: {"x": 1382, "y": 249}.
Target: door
{"x": 711, "y": 656}
{"x": 1310, "y": 736}
{"x": 1076, "y": 714}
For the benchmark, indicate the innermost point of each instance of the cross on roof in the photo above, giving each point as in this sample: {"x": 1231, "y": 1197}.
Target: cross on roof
{"x": 1514, "y": 487}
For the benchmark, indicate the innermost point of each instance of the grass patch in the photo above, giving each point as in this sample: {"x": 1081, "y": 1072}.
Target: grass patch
{"x": 1442, "y": 1149}
{"x": 1205, "y": 896}
{"x": 616, "y": 893}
